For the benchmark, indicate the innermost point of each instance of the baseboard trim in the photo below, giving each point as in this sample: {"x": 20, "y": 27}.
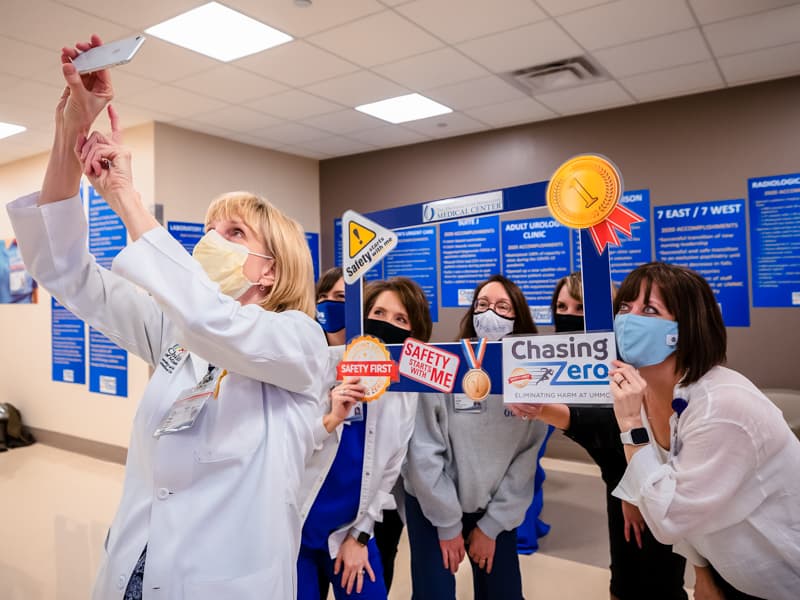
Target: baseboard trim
{"x": 71, "y": 443}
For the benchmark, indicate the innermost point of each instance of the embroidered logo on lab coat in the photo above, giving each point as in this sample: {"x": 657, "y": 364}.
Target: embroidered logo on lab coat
{"x": 172, "y": 357}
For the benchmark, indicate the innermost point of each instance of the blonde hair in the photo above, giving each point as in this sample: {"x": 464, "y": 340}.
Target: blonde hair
{"x": 294, "y": 272}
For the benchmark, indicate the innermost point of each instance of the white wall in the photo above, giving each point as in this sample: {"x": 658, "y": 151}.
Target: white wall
{"x": 183, "y": 171}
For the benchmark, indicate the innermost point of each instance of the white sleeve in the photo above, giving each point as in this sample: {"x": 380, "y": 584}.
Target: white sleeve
{"x": 286, "y": 349}
{"x": 53, "y": 242}
{"x": 702, "y": 488}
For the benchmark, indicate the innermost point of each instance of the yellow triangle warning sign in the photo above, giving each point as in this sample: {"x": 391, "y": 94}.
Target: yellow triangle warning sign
{"x": 360, "y": 236}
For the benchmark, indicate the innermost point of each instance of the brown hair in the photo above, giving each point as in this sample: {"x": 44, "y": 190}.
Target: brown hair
{"x": 411, "y": 296}
{"x": 574, "y": 287}
{"x": 702, "y": 337}
{"x": 285, "y": 240}
{"x": 523, "y": 321}
{"x": 327, "y": 281}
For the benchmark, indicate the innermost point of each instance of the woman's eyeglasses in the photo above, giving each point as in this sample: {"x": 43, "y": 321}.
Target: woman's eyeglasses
{"x": 504, "y": 308}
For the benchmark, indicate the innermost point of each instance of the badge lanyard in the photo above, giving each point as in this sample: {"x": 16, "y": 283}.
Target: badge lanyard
{"x": 190, "y": 403}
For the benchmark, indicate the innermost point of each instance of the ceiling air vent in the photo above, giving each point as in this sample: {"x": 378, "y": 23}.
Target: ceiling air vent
{"x": 567, "y": 73}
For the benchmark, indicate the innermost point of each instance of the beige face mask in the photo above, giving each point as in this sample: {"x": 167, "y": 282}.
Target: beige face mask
{"x": 223, "y": 262}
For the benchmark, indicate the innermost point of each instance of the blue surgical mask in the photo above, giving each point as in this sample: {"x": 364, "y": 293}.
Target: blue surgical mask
{"x": 645, "y": 341}
{"x": 330, "y": 315}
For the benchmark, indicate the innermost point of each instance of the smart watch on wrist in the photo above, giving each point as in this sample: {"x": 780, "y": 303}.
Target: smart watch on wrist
{"x": 637, "y": 436}
{"x": 362, "y": 538}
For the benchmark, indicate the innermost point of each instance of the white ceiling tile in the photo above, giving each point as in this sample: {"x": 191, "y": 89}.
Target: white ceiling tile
{"x": 764, "y": 30}
{"x": 468, "y": 94}
{"x": 522, "y": 110}
{"x": 237, "y": 118}
{"x": 127, "y": 84}
{"x": 709, "y": 11}
{"x": 395, "y": 2}
{"x": 174, "y": 101}
{"x": 34, "y": 94}
{"x": 337, "y": 146}
{"x": 357, "y": 89}
{"x": 51, "y": 25}
{"x": 770, "y": 63}
{"x": 201, "y": 127}
{"x": 626, "y": 21}
{"x": 304, "y": 152}
{"x": 673, "y": 49}
{"x": 303, "y": 21}
{"x": 25, "y": 60}
{"x": 686, "y": 79}
{"x": 166, "y": 62}
{"x": 449, "y": 125}
{"x": 20, "y": 113}
{"x": 562, "y": 7}
{"x": 297, "y": 64}
{"x": 432, "y": 69}
{"x": 595, "y": 96}
{"x": 474, "y": 18}
{"x": 136, "y": 14}
{"x": 291, "y": 133}
{"x": 229, "y": 83}
{"x": 130, "y": 115}
{"x": 253, "y": 140}
{"x": 32, "y": 140}
{"x": 293, "y": 104}
{"x": 391, "y": 135}
{"x": 7, "y": 82}
{"x": 524, "y": 47}
{"x": 344, "y": 121}
{"x": 367, "y": 42}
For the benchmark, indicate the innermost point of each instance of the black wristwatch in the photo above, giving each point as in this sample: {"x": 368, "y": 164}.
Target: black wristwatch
{"x": 635, "y": 437}
{"x": 362, "y": 538}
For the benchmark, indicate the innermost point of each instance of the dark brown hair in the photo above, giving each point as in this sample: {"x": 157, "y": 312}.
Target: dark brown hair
{"x": 702, "y": 338}
{"x": 411, "y": 296}
{"x": 327, "y": 281}
{"x": 523, "y": 321}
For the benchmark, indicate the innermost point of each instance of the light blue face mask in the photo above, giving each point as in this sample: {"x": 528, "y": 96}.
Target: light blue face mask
{"x": 645, "y": 341}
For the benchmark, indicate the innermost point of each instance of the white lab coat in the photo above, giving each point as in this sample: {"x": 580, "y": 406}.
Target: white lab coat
{"x": 217, "y": 504}
{"x": 390, "y": 423}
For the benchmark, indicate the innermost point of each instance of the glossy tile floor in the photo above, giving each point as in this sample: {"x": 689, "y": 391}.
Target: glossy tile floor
{"x": 55, "y": 507}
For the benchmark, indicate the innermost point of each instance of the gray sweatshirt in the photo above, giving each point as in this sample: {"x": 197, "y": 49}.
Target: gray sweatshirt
{"x": 461, "y": 462}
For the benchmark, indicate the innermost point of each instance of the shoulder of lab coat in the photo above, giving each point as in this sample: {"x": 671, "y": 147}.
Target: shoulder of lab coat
{"x": 286, "y": 349}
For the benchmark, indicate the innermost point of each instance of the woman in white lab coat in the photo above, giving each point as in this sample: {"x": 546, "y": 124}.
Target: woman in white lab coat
{"x": 231, "y": 414}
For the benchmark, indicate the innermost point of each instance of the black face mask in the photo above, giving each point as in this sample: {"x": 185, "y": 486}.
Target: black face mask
{"x": 386, "y": 332}
{"x": 566, "y": 323}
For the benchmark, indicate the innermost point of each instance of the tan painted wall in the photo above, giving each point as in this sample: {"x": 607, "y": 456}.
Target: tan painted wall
{"x": 690, "y": 149}
{"x": 183, "y": 171}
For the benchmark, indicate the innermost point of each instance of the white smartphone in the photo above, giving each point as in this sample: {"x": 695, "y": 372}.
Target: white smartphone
{"x": 108, "y": 55}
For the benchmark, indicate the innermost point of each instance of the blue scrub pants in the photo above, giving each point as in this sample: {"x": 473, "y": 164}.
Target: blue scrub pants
{"x": 313, "y": 564}
{"x": 431, "y": 581}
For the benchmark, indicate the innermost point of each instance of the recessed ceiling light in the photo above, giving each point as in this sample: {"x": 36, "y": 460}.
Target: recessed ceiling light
{"x": 219, "y": 32}
{"x": 8, "y": 129}
{"x": 404, "y": 108}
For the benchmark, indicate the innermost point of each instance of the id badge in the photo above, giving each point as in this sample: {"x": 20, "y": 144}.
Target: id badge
{"x": 463, "y": 404}
{"x": 356, "y": 413}
{"x": 16, "y": 281}
{"x": 190, "y": 403}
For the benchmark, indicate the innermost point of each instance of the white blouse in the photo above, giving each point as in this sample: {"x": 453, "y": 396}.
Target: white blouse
{"x": 729, "y": 487}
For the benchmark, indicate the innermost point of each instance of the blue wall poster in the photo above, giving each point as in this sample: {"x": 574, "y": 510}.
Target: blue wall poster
{"x": 469, "y": 254}
{"x": 312, "y": 239}
{"x": 108, "y": 363}
{"x": 415, "y": 258}
{"x": 536, "y": 255}
{"x": 709, "y": 237}
{"x": 634, "y": 251}
{"x": 68, "y": 340}
{"x": 338, "y": 248}
{"x": 775, "y": 239}
{"x": 188, "y": 234}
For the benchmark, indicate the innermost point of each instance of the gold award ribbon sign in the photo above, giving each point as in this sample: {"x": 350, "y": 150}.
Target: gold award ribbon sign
{"x": 366, "y": 357}
{"x": 584, "y": 192}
